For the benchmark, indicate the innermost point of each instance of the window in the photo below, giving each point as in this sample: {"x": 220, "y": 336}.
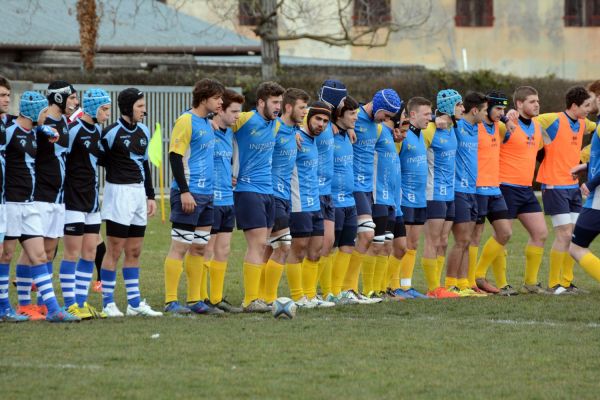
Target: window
{"x": 474, "y": 13}
{"x": 249, "y": 12}
{"x": 582, "y": 12}
{"x": 372, "y": 12}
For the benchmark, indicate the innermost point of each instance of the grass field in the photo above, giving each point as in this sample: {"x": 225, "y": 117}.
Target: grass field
{"x": 526, "y": 347}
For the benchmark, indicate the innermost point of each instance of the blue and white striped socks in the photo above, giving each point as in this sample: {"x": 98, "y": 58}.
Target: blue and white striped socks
{"x": 67, "y": 281}
{"x": 40, "y": 300}
{"x": 131, "y": 275}
{"x": 109, "y": 279}
{"x": 23, "y": 274}
{"x": 83, "y": 277}
{"x": 4, "y": 273}
{"x": 43, "y": 281}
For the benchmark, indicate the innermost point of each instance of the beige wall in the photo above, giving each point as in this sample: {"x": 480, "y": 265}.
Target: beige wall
{"x": 528, "y": 39}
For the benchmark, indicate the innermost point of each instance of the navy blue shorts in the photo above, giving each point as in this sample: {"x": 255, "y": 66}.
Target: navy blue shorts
{"x": 520, "y": 200}
{"x": 345, "y": 226}
{"x": 440, "y": 210}
{"x": 306, "y": 223}
{"x": 381, "y": 216}
{"x": 201, "y": 216}
{"x": 283, "y": 208}
{"x": 327, "y": 207}
{"x": 414, "y": 216}
{"x": 587, "y": 227}
{"x": 253, "y": 210}
{"x": 224, "y": 219}
{"x": 364, "y": 202}
{"x": 465, "y": 207}
{"x": 561, "y": 201}
{"x": 491, "y": 206}
{"x": 399, "y": 228}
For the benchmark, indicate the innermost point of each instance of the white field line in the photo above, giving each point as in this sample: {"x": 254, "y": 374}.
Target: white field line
{"x": 50, "y": 366}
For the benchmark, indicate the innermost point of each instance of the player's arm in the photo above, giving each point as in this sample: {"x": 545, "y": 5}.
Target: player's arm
{"x": 428, "y": 134}
{"x": 590, "y": 126}
{"x": 503, "y": 132}
{"x": 243, "y": 119}
{"x": 148, "y": 181}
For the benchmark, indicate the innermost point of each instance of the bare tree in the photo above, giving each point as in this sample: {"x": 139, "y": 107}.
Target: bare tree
{"x": 88, "y": 19}
{"x": 365, "y": 23}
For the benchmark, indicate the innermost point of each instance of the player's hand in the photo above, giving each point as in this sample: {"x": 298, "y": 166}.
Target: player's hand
{"x": 578, "y": 170}
{"x": 298, "y": 141}
{"x": 188, "y": 204}
{"x": 443, "y": 122}
{"x": 233, "y": 181}
{"x": 151, "y": 207}
{"x": 512, "y": 115}
{"x": 51, "y": 133}
{"x": 335, "y": 129}
{"x": 352, "y": 135}
{"x": 584, "y": 190}
{"x": 214, "y": 125}
{"x": 398, "y": 135}
{"x": 511, "y": 125}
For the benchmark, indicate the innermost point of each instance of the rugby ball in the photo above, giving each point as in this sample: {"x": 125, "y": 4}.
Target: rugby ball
{"x": 284, "y": 308}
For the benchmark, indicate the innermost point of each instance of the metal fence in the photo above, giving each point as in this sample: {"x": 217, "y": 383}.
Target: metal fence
{"x": 164, "y": 104}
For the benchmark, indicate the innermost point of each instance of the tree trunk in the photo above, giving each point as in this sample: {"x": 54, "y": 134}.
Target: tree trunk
{"x": 88, "y": 20}
{"x": 269, "y": 47}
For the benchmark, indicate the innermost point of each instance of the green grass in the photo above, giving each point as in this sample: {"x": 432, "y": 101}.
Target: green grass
{"x": 521, "y": 347}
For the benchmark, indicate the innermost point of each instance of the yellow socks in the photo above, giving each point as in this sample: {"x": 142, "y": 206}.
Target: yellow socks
{"x": 567, "y": 271}
{"x": 217, "y": 280}
{"x": 499, "y": 269}
{"x": 294, "y": 277}
{"x": 451, "y": 282}
{"x": 491, "y": 250}
{"x": 381, "y": 263}
{"x": 325, "y": 267}
{"x": 463, "y": 283}
{"x": 351, "y": 278}
{"x": 173, "y": 269}
{"x": 473, "y": 250}
{"x": 407, "y": 267}
{"x": 310, "y": 273}
{"x": 204, "y": 281}
{"x": 591, "y": 264}
{"x": 194, "y": 268}
{"x": 556, "y": 264}
{"x": 430, "y": 266}
{"x": 368, "y": 272}
{"x": 338, "y": 271}
{"x": 251, "y": 281}
{"x": 394, "y": 273}
{"x": 441, "y": 260}
{"x": 273, "y": 271}
{"x": 533, "y": 260}
{"x": 262, "y": 290}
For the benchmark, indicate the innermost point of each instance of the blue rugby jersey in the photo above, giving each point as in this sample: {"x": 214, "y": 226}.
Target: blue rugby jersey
{"x": 367, "y": 132}
{"x": 325, "y": 146}
{"x": 254, "y": 140}
{"x": 384, "y": 179}
{"x": 193, "y": 138}
{"x": 305, "y": 176}
{"x": 284, "y": 159}
{"x": 441, "y": 160}
{"x": 342, "y": 183}
{"x": 413, "y": 162}
{"x": 223, "y": 151}
{"x": 81, "y": 185}
{"x": 466, "y": 157}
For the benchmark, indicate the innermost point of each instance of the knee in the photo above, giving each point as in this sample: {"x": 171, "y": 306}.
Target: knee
{"x": 504, "y": 236}
{"x": 540, "y": 236}
{"x": 134, "y": 252}
{"x": 197, "y": 250}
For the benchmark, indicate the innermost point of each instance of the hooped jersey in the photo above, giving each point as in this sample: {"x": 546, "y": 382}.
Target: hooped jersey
{"x": 367, "y": 132}
{"x": 413, "y": 163}
{"x": 254, "y": 140}
{"x": 305, "y": 176}
{"x": 50, "y": 162}
{"x": 466, "y": 157}
{"x": 342, "y": 184}
{"x": 223, "y": 152}
{"x": 81, "y": 185}
{"x": 284, "y": 159}
{"x": 19, "y": 155}
{"x": 384, "y": 169}
{"x": 441, "y": 160}
{"x": 325, "y": 146}
{"x": 488, "y": 159}
{"x": 193, "y": 138}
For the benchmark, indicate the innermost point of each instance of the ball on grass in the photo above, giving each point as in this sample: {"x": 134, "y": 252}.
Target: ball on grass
{"x": 284, "y": 308}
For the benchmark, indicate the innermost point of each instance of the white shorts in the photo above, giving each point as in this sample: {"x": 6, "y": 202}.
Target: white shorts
{"x": 2, "y": 222}
{"x": 53, "y": 218}
{"x": 80, "y": 217}
{"x": 125, "y": 204}
{"x": 23, "y": 219}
